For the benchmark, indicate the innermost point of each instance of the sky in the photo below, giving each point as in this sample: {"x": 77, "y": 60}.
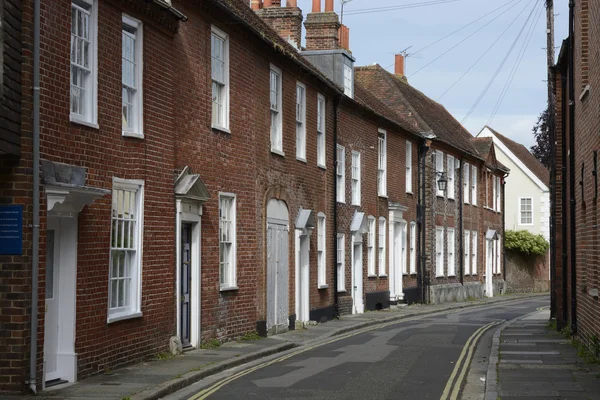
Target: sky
{"x": 475, "y": 53}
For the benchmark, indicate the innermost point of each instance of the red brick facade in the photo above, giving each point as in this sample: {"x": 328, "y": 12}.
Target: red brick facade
{"x": 576, "y": 212}
{"x": 179, "y": 133}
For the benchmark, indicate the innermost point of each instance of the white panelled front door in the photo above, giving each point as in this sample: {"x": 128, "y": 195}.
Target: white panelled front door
{"x": 51, "y": 308}
{"x": 357, "y": 277}
{"x": 489, "y": 259}
{"x": 302, "y": 277}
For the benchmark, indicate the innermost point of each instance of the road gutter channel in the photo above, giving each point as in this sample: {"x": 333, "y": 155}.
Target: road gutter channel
{"x": 189, "y": 378}
{"x": 491, "y": 384}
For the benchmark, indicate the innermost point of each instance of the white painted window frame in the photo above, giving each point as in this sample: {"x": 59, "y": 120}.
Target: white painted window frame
{"x": 451, "y": 188}
{"x": 382, "y": 163}
{"x": 413, "y": 247}
{"x": 90, "y": 117}
{"x": 371, "y": 246}
{"x": 381, "y": 240}
{"x": 451, "y": 249}
{"x": 467, "y": 252}
{"x": 341, "y": 262}
{"x": 439, "y": 251}
{"x": 409, "y": 184}
{"x": 321, "y": 138}
{"x": 521, "y": 223}
{"x": 137, "y": 130}
{"x": 224, "y": 126}
{"x": 322, "y": 251}
{"x": 340, "y": 174}
{"x": 474, "y": 185}
{"x": 466, "y": 185}
{"x": 498, "y": 194}
{"x": 356, "y": 178}
{"x": 229, "y": 282}
{"x": 300, "y": 121}
{"x": 474, "y": 248}
{"x": 133, "y": 308}
{"x": 276, "y": 109}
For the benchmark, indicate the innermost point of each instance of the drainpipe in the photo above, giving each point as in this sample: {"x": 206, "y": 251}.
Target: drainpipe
{"x": 421, "y": 208}
{"x": 503, "y": 188}
{"x": 36, "y": 198}
{"x": 462, "y": 223}
{"x": 572, "y": 168}
{"x": 563, "y": 183}
{"x": 336, "y": 305}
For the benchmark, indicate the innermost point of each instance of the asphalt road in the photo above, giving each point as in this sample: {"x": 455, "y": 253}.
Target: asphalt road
{"x": 426, "y": 358}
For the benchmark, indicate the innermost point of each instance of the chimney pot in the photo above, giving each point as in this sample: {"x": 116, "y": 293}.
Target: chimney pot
{"x": 399, "y": 63}
{"x": 255, "y": 5}
{"x": 291, "y": 3}
{"x": 328, "y": 5}
{"x": 316, "y": 8}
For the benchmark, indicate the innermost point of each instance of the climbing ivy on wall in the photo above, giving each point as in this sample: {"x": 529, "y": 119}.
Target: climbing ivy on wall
{"x": 526, "y": 243}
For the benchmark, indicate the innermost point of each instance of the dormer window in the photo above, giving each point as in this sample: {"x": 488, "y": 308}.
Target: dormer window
{"x": 348, "y": 81}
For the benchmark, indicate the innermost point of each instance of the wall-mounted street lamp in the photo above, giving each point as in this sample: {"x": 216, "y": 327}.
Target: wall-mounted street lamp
{"x": 442, "y": 181}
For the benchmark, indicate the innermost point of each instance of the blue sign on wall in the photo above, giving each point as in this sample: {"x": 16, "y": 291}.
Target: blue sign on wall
{"x": 11, "y": 230}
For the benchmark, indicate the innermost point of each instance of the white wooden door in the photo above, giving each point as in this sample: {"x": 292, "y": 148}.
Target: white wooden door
{"x": 277, "y": 276}
{"x": 51, "y": 333}
{"x": 357, "y": 279}
{"x": 489, "y": 259}
{"x": 303, "y": 303}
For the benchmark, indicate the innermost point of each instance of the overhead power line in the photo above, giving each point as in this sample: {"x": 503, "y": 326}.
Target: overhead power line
{"x": 399, "y": 7}
{"x": 463, "y": 40}
{"x": 516, "y": 65}
{"x": 495, "y": 75}
{"x": 485, "y": 52}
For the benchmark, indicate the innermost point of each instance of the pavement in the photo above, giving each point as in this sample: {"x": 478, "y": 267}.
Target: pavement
{"x": 528, "y": 360}
{"x": 157, "y": 378}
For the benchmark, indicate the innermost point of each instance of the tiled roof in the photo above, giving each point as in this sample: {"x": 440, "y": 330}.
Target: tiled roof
{"x": 525, "y": 156}
{"x": 483, "y": 146}
{"x": 415, "y": 107}
{"x": 366, "y": 99}
{"x": 241, "y": 10}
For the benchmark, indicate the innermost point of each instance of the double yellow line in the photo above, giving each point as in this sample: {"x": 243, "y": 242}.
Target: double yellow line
{"x": 452, "y": 388}
{"x": 205, "y": 393}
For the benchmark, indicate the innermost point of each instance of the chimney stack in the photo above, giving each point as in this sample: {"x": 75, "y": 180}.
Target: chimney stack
{"x": 322, "y": 27}
{"x": 256, "y": 4}
{"x": 399, "y": 66}
{"x": 344, "y": 37}
{"x": 286, "y": 21}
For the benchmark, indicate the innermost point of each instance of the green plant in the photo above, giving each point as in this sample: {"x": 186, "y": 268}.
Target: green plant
{"x": 526, "y": 243}
{"x": 210, "y": 344}
{"x": 162, "y": 356}
{"x": 251, "y": 336}
{"x": 471, "y": 298}
{"x": 566, "y": 331}
{"x": 126, "y": 398}
{"x": 551, "y": 325}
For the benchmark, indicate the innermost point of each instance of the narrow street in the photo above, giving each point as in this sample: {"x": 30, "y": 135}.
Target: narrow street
{"x": 415, "y": 359}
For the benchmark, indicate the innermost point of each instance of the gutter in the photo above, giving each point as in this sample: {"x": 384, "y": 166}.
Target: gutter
{"x": 36, "y": 199}
{"x": 166, "y": 5}
{"x": 503, "y": 188}
{"x": 572, "y": 168}
{"x": 561, "y": 324}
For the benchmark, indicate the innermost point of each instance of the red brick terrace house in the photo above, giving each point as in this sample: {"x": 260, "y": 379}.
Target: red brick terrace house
{"x": 576, "y": 211}
{"x": 460, "y": 248}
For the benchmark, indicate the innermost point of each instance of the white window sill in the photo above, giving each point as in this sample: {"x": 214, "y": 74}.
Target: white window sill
{"x": 356, "y": 204}
{"x": 301, "y": 159}
{"x": 383, "y": 196}
{"x": 413, "y": 273}
{"x": 221, "y": 129}
{"x": 372, "y": 276}
{"x": 321, "y": 166}
{"x": 525, "y": 224}
{"x": 123, "y": 316}
{"x": 341, "y": 201}
{"x": 440, "y": 195}
{"x": 383, "y": 275}
{"x": 323, "y": 287}
{"x": 77, "y": 120}
{"x": 228, "y": 288}
{"x": 278, "y": 152}
{"x": 133, "y": 135}
{"x": 439, "y": 276}
{"x": 451, "y": 198}
{"x": 467, "y": 203}
{"x": 474, "y": 205}
{"x": 409, "y": 192}
{"x": 452, "y": 276}
{"x": 341, "y": 291}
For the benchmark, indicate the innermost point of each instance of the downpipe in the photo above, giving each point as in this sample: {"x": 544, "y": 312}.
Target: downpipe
{"x": 572, "y": 167}
{"x": 36, "y": 198}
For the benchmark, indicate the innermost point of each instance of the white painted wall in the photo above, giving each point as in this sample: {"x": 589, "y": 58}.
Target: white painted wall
{"x": 520, "y": 183}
